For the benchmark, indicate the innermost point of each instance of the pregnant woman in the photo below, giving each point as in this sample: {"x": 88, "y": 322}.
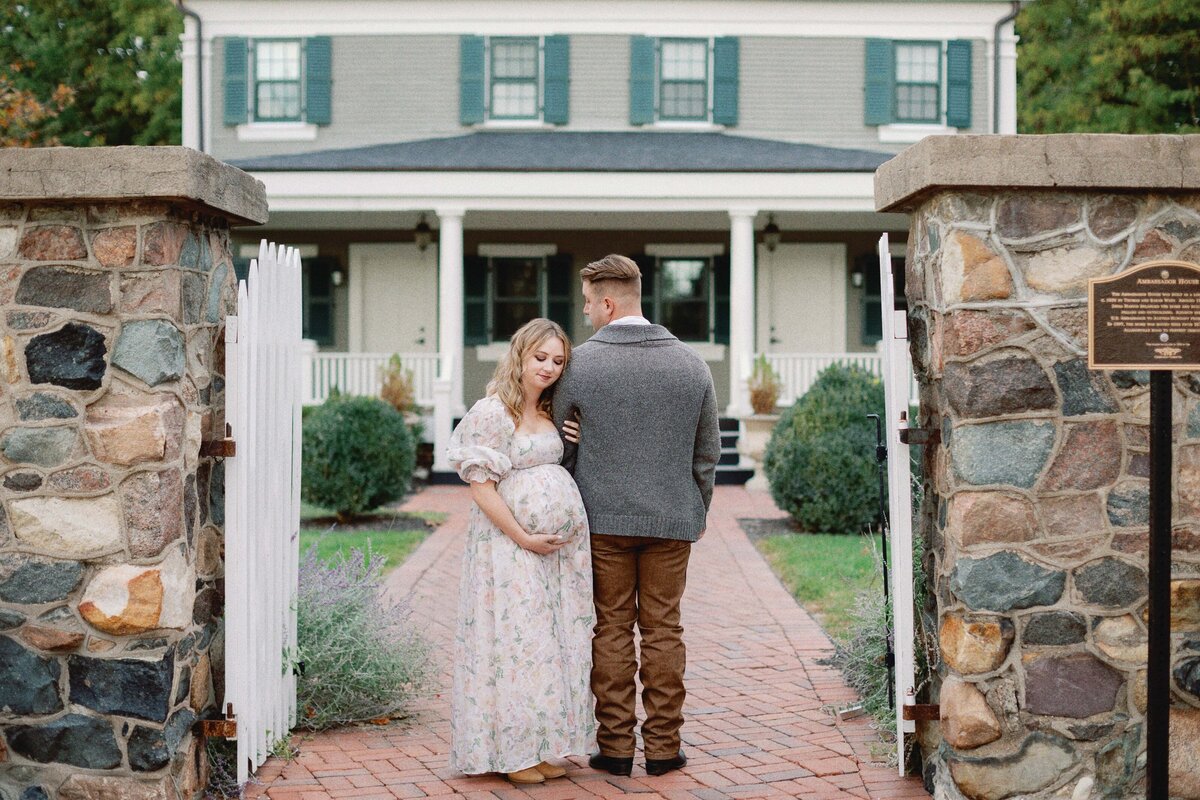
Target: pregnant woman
{"x": 522, "y": 653}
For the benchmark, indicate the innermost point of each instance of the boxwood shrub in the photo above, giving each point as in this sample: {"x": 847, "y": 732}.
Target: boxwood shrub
{"x": 820, "y": 460}
{"x": 358, "y": 454}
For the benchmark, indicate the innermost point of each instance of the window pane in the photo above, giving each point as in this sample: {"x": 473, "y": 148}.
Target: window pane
{"x": 917, "y": 63}
{"x": 510, "y": 316}
{"x": 514, "y": 59}
{"x": 277, "y": 61}
{"x": 684, "y": 101}
{"x": 683, "y": 279}
{"x": 278, "y": 100}
{"x": 917, "y": 102}
{"x": 684, "y": 60}
{"x": 514, "y": 99}
{"x": 318, "y": 322}
{"x": 688, "y": 321}
{"x": 516, "y": 277}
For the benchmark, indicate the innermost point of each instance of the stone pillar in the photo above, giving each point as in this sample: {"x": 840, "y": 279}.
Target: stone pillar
{"x": 1035, "y": 500}
{"x": 741, "y": 309}
{"x": 115, "y": 279}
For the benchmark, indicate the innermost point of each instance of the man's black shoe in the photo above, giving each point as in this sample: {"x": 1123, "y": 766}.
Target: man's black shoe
{"x": 612, "y": 764}
{"x": 661, "y": 766}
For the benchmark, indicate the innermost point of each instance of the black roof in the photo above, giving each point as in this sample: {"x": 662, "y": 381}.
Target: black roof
{"x": 581, "y": 151}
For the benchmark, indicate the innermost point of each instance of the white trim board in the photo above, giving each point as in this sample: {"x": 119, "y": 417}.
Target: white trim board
{"x": 684, "y": 250}
{"x": 518, "y": 250}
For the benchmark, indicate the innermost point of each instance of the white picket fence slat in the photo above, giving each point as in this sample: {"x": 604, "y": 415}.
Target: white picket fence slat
{"x": 798, "y": 371}
{"x": 262, "y": 503}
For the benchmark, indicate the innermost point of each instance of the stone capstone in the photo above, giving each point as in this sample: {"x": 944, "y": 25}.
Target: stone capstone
{"x": 1129, "y": 504}
{"x": 1041, "y": 761}
{"x": 1054, "y": 628}
{"x": 46, "y": 447}
{"x": 74, "y": 739}
{"x": 967, "y": 721}
{"x": 28, "y": 681}
{"x": 123, "y": 686}
{"x": 1077, "y": 686}
{"x": 126, "y": 430}
{"x": 153, "y": 510}
{"x": 1110, "y": 582}
{"x": 991, "y": 518}
{"x": 44, "y": 405}
{"x": 130, "y": 599}
{"x": 974, "y": 646}
{"x": 71, "y": 357}
{"x": 66, "y": 287}
{"x": 972, "y": 271}
{"x": 33, "y": 580}
{"x": 53, "y": 243}
{"x": 1090, "y": 457}
{"x": 115, "y": 247}
{"x": 151, "y": 350}
{"x": 77, "y": 528}
{"x": 1083, "y": 390}
{"x": 1011, "y": 452}
{"x": 1121, "y": 639}
{"x": 994, "y": 388}
{"x": 1005, "y": 581}
{"x": 1071, "y": 515}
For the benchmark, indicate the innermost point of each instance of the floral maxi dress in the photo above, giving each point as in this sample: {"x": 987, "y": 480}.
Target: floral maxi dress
{"x": 522, "y": 651}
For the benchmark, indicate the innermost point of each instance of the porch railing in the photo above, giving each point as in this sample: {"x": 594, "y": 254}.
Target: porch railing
{"x": 798, "y": 371}
{"x": 359, "y": 374}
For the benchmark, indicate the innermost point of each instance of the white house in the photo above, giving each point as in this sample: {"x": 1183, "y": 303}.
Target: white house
{"x": 448, "y": 166}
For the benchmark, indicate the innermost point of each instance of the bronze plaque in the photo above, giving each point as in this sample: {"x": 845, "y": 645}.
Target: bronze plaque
{"x": 1147, "y": 317}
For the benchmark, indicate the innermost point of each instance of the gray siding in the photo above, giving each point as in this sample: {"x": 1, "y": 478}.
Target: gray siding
{"x": 402, "y": 88}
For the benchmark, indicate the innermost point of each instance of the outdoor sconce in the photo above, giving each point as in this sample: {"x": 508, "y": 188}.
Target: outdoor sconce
{"x": 423, "y": 234}
{"x": 771, "y": 234}
{"x": 857, "y": 278}
{"x": 337, "y": 277}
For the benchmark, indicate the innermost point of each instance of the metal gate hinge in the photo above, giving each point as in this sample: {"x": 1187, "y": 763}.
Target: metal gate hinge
{"x": 220, "y": 448}
{"x": 928, "y": 436}
{"x": 925, "y": 712}
{"x": 225, "y": 728}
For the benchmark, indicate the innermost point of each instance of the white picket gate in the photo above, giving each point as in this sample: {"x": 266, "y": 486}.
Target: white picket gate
{"x": 262, "y": 503}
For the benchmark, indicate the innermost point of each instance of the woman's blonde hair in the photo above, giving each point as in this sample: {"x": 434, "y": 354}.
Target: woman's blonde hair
{"x": 506, "y": 381}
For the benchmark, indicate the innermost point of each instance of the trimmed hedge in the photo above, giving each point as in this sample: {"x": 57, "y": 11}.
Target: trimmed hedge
{"x": 820, "y": 460}
{"x": 358, "y": 454}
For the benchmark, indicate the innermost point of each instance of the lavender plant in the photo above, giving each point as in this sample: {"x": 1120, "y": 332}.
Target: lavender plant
{"x": 359, "y": 656}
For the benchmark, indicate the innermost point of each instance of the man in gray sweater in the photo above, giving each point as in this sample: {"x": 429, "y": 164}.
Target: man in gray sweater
{"x": 645, "y": 468}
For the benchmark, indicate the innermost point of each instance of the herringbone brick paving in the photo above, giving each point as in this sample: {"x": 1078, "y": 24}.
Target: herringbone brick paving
{"x": 759, "y": 706}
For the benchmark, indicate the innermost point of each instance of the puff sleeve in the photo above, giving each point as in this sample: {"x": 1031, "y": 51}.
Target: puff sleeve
{"x": 479, "y": 445}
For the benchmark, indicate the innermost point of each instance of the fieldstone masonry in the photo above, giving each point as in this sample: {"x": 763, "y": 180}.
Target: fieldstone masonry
{"x": 1035, "y": 508}
{"x": 115, "y": 277}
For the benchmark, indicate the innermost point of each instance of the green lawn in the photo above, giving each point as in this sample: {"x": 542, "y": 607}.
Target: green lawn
{"x": 384, "y": 532}
{"x": 824, "y": 572}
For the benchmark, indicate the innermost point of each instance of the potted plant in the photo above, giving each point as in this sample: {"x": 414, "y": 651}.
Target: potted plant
{"x": 765, "y": 388}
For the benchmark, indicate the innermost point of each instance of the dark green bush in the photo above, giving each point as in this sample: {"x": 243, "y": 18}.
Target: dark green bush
{"x": 820, "y": 461}
{"x": 358, "y": 454}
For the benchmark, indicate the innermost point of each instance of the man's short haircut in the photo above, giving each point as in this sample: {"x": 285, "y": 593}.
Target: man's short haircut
{"x": 614, "y": 275}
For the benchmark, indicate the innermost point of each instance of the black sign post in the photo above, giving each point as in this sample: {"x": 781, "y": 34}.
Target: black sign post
{"x": 1149, "y": 318}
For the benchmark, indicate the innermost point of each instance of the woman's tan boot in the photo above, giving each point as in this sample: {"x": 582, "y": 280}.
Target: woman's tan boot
{"x": 548, "y": 770}
{"x": 527, "y": 775}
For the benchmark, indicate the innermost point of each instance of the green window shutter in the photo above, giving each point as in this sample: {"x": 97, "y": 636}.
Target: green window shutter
{"x": 880, "y": 100}
{"x": 556, "y": 99}
{"x": 725, "y": 80}
{"x": 475, "y": 279}
{"x": 318, "y": 78}
{"x": 641, "y": 80}
{"x": 958, "y": 83}
{"x": 720, "y": 323}
{"x": 236, "y": 82}
{"x": 470, "y": 79}
{"x": 561, "y": 285}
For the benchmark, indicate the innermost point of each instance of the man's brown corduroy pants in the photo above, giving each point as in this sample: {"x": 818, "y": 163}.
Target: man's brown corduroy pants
{"x": 638, "y": 579}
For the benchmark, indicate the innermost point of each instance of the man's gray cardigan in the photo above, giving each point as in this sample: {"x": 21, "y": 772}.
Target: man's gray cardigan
{"x": 650, "y": 439}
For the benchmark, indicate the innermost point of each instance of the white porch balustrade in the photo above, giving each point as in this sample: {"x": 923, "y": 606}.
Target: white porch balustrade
{"x": 798, "y": 371}
{"x": 359, "y": 374}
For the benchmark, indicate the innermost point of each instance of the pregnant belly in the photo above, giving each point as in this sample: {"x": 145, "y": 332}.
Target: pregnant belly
{"x": 544, "y": 499}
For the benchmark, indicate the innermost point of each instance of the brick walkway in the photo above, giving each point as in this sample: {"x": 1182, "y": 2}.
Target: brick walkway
{"x": 759, "y": 720}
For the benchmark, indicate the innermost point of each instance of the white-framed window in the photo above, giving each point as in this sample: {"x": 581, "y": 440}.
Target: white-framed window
{"x": 514, "y": 78}
{"x": 685, "y": 288}
{"x": 918, "y": 82}
{"x": 505, "y": 286}
{"x": 917, "y": 88}
{"x": 684, "y": 80}
{"x": 277, "y": 79}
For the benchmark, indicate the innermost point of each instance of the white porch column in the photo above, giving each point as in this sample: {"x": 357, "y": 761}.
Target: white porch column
{"x": 447, "y": 389}
{"x": 1007, "y": 120}
{"x": 741, "y": 308}
{"x": 191, "y": 73}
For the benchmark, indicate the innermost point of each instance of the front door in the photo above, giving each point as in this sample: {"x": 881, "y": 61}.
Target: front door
{"x": 802, "y": 299}
{"x": 393, "y": 298}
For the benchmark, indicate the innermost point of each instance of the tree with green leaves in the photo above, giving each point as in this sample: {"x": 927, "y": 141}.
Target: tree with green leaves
{"x": 1117, "y": 66}
{"x": 102, "y": 72}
